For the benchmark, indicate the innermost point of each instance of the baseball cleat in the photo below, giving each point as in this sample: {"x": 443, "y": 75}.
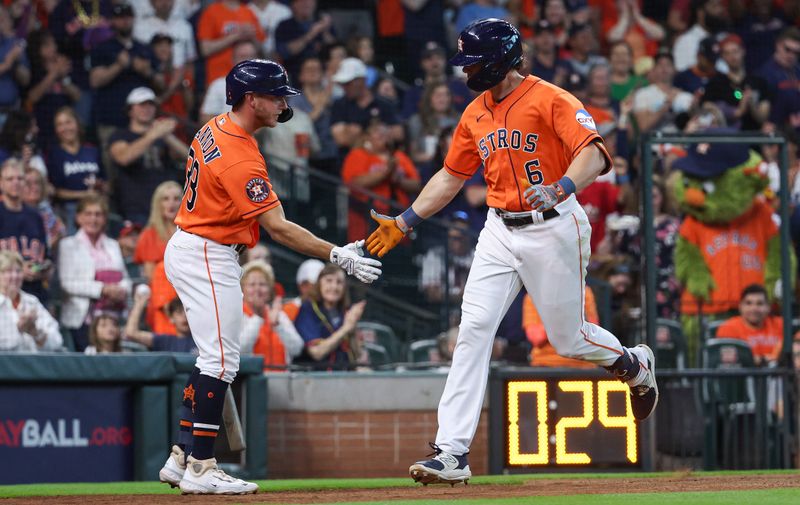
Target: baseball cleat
{"x": 174, "y": 468}
{"x": 204, "y": 477}
{"x": 644, "y": 396}
{"x": 443, "y": 468}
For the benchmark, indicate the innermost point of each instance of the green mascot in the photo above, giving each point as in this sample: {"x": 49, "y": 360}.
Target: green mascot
{"x": 729, "y": 236}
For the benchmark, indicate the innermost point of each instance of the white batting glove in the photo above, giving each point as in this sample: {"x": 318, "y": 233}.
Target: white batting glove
{"x": 351, "y": 259}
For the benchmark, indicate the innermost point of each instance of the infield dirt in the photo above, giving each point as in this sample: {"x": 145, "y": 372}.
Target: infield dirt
{"x": 534, "y": 487}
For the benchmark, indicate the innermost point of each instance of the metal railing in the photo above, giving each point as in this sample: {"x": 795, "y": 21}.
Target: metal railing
{"x": 726, "y": 419}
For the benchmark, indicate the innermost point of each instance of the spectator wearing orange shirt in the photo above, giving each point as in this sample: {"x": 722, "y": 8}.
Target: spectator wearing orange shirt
{"x": 543, "y": 353}
{"x": 160, "y": 226}
{"x": 762, "y": 332}
{"x": 157, "y": 316}
{"x": 221, "y": 25}
{"x": 267, "y": 331}
{"x": 377, "y": 166}
{"x": 632, "y": 26}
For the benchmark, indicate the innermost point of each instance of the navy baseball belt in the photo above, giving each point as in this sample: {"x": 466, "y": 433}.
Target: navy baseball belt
{"x": 516, "y": 219}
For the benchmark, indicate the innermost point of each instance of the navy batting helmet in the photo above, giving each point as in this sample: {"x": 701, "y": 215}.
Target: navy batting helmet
{"x": 259, "y": 76}
{"x": 493, "y": 43}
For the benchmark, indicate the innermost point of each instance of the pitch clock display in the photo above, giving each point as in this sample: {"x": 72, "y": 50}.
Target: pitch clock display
{"x": 564, "y": 422}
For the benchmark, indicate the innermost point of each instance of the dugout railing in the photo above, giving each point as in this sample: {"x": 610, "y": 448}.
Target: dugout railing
{"x": 727, "y": 419}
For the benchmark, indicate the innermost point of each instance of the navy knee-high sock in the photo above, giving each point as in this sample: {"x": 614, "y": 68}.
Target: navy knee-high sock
{"x": 209, "y": 400}
{"x": 187, "y": 412}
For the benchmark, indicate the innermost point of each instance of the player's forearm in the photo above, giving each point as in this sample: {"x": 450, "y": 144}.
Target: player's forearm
{"x": 586, "y": 166}
{"x": 439, "y": 191}
{"x": 297, "y": 238}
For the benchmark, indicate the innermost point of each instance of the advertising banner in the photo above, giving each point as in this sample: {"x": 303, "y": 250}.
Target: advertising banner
{"x": 74, "y": 433}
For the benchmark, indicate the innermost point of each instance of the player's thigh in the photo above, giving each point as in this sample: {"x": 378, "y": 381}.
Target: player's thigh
{"x": 492, "y": 283}
{"x": 553, "y": 272}
{"x": 206, "y": 278}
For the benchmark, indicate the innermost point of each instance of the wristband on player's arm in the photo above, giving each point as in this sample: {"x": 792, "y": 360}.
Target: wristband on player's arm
{"x": 408, "y": 220}
{"x": 567, "y": 185}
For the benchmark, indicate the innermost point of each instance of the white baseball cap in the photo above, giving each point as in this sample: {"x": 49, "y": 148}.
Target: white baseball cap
{"x": 349, "y": 69}
{"x": 140, "y": 95}
{"x": 309, "y": 271}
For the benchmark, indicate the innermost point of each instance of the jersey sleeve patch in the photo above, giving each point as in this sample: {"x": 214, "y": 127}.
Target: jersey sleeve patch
{"x": 585, "y": 119}
{"x": 257, "y": 189}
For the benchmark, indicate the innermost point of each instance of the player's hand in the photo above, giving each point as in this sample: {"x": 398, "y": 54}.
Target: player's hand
{"x": 351, "y": 259}
{"x": 389, "y": 233}
{"x": 544, "y": 197}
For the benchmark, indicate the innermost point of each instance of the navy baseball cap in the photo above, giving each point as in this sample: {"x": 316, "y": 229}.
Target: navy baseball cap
{"x": 712, "y": 159}
{"x": 121, "y": 10}
{"x": 709, "y": 48}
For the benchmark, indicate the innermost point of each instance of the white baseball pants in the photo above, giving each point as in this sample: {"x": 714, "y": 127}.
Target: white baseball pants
{"x": 549, "y": 258}
{"x": 206, "y": 276}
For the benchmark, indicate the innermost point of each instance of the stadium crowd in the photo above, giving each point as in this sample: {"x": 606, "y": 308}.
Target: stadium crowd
{"x": 99, "y": 98}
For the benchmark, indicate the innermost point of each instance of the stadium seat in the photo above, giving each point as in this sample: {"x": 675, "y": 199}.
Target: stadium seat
{"x": 378, "y": 355}
{"x": 424, "y": 351}
{"x": 727, "y": 353}
{"x": 670, "y": 345}
{"x": 731, "y": 403}
{"x": 381, "y": 335}
{"x": 710, "y": 329}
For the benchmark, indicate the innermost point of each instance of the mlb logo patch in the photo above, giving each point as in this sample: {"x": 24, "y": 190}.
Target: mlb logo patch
{"x": 585, "y": 119}
{"x": 257, "y": 189}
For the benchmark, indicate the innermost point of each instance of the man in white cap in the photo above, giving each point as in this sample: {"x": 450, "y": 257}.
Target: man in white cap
{"x": 306, "y": 279}
{"x": 351, "y": 114}
{"x": 143, "y": 155}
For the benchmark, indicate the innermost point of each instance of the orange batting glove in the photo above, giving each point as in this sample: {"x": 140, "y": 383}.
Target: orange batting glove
{"x": 390, "y": 232}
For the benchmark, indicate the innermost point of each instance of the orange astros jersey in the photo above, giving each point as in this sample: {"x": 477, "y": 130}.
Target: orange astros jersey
{"x": 227, "y": 186}
{"x": 529, "y": 138}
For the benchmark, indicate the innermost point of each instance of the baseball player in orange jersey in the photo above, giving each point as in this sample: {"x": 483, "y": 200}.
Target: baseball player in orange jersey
{"x": 538, "y": 146}
{"x": 226, "y": 197}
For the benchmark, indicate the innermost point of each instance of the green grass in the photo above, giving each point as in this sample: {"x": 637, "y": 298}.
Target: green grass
{"x": 125, "y": 488}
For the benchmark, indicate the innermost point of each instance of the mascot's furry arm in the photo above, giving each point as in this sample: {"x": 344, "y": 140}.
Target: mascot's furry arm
{"x": 691, "y": 269}
{"x": 772, "y": 272}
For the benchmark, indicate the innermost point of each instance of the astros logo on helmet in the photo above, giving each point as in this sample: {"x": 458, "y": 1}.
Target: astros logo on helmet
{"x": 494, "y": 44}
{"x": 259, "y": 76}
